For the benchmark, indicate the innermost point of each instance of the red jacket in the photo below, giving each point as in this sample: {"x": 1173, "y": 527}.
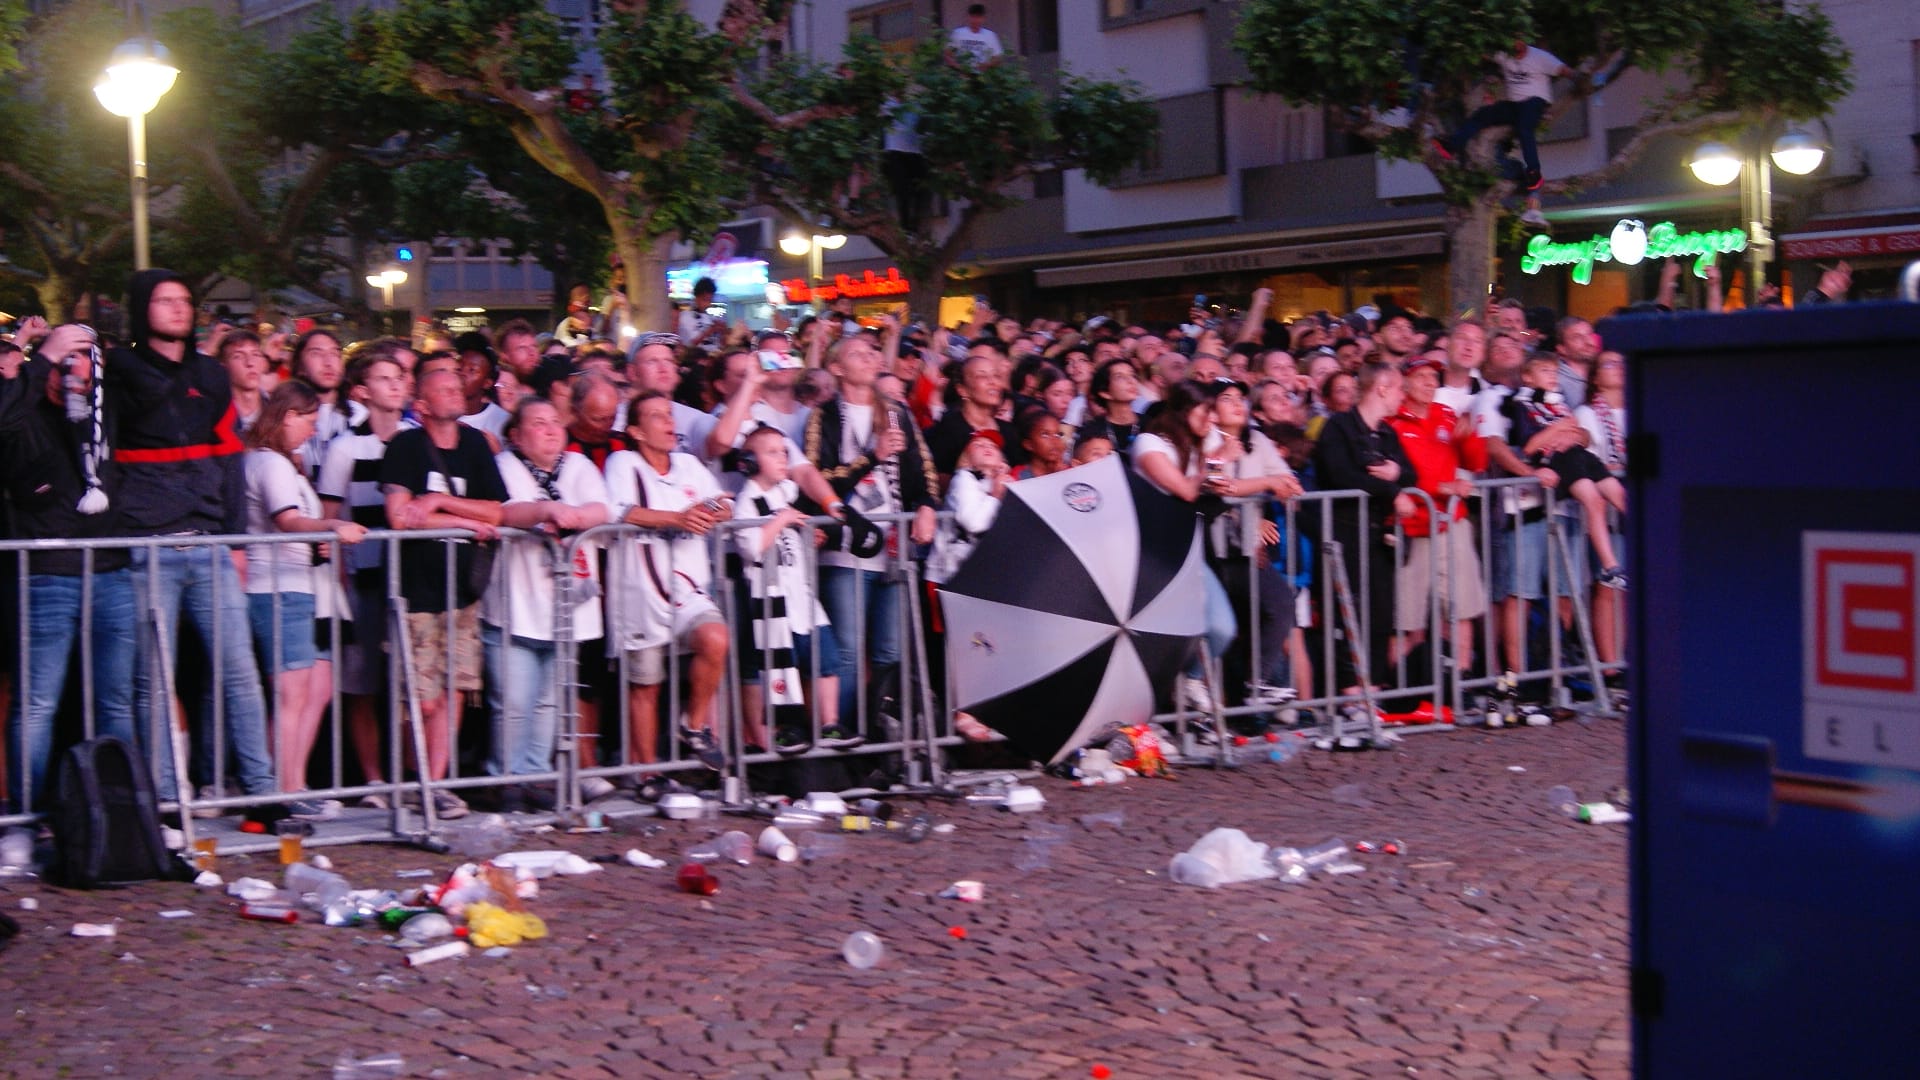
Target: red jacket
{"x": 1437, "y": 456}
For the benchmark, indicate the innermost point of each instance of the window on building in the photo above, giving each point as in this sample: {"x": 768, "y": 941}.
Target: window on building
{"x": 1040, "y": 26}
{"x": 893, "y": 25}
{"x": 1191, "y": 143}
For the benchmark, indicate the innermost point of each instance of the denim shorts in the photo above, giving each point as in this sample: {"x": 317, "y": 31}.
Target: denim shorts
{"x": 296, "y": 644}
{"x": 1519, "y": 560}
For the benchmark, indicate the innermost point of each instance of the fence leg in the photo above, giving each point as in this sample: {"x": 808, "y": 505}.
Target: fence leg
{"x": 928, "y": 769}
{"x": 176, "y": 726}
{"x": 1582, "y": 622}
{"x": 404, "y": 646}
{"x": 1357, "y": 643}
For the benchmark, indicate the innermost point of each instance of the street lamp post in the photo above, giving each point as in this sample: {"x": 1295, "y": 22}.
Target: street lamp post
{"x": 813, "y": 247}
{"x": 1718, "y": 164}
{"x": 385, "y": 280}
{"x": 137, "y": 76}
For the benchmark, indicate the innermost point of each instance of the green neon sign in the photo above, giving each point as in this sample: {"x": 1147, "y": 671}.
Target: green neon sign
{"x": 1630, "y": 244}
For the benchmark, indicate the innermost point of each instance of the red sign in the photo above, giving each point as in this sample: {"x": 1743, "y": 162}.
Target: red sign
{"x": 1864, "y": 609}
{"x": 1898, "y": 242}
{"x": 846, "y": 285}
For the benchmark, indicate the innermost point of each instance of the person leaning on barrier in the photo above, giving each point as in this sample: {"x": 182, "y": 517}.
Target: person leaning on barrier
{"x": 552, "y": 491}
{"x": 174, "y": 435}
{"x": 1259, "y": 471}
{"x": 1440, "y": 554}
{"x": 54, "y": 459}
{"x": 441, "y": 475}
{"x": 663, "y": 581}
{"x": 1358, "y": 449}
{"x": 292, "y": 589}
{"x": 349, "y": 490}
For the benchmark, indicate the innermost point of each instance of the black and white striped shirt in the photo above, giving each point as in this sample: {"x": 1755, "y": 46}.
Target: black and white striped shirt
{"x": 351, "y": 474}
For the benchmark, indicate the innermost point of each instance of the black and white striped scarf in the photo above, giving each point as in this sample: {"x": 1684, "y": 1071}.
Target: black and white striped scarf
{"x": 772, "y": 625}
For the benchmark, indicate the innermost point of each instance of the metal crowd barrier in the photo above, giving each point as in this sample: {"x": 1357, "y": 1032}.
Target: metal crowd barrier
{"x": 916, "y": 733}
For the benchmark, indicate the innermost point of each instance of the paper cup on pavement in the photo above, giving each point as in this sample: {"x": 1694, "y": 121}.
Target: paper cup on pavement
{"x": 774, "y": 843}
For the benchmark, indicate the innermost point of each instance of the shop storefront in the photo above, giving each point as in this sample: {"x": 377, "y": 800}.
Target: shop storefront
{"x": 1877, "y": 249}
{"x": 1334, "y": 276}
{"x": 1591, "y": 270}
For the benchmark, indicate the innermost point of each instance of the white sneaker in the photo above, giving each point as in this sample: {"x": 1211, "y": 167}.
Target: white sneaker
{"x": 1192, "y": 694}
{"x": 1536, "y": 219}
{"x": 1264, "y": 694}
{"x": 595, "y": 787}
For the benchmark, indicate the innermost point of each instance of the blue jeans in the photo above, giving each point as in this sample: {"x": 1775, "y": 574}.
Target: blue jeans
{"x": 1222, "y": 627}
{"x": 524, "y": 702}
{"x": 1522, "y": 116}
{"x": 52, "y": 621}
{"x": 844, "y": 592}
{"x": 194, "y": 579}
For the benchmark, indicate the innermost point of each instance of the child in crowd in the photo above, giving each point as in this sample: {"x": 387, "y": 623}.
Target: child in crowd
{"x": 786, "y": 628}
{"x": 292, "y": 590}
{"x": 1547, "y": 434}
{"x": 980, "y": 479}
{"x": 1092, "y": 448}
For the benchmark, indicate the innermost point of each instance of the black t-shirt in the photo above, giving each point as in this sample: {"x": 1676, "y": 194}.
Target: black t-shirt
{"x": 948, "y": 438}
{"x": 466, "y": 471}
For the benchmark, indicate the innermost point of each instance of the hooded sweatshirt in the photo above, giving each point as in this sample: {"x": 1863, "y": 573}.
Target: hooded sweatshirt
{"x": 176, "y": 434}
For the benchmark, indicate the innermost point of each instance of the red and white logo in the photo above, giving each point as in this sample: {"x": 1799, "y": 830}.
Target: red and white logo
{"x": 1864, "y": 611}
{"x": 1860, "y": 636}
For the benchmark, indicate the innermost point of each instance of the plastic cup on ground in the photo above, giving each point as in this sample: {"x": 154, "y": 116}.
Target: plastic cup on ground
{"x": 862, "y": 949}
{"x": 774, "y": 844}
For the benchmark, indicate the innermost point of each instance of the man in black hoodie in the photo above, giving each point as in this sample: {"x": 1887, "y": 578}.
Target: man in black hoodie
{"x": 175, "y": 439}
{"x": 55, "y": 470}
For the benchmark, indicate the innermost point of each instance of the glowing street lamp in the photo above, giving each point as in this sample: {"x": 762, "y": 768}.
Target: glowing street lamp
{"x": 138, "y": 75}
{"x": 813, "y": 247}
{"x": 1719, "y": 164}
{"x": 385, "y": 280}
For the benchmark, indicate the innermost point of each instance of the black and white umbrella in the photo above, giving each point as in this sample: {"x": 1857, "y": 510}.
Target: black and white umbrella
{"x": 1084, "y": 595}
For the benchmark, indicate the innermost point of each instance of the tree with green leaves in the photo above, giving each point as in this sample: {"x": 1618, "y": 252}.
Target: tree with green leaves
{"x": 980, "y": 129}
{"x": 641, "y": 155}
{"x": 1402, "y": 71}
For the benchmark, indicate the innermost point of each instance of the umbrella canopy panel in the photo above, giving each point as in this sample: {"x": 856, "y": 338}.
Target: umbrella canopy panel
{"x": 1085, "y": 595}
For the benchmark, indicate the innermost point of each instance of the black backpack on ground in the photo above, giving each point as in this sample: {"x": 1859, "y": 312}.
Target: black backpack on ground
{"x": 106, "y": 823}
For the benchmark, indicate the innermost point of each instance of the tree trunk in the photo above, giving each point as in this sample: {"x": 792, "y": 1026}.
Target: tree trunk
{"x": 1470, "y": 241}
{"x": 923, "y": 297}
{"x": 646, "y": 263}
{"x": 56, "y": 293}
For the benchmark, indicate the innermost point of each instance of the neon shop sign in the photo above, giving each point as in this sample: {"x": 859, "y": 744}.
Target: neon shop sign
{"x": 1630, "y": 244}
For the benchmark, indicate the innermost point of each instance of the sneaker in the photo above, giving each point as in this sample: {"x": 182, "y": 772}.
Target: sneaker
{"x": 1440, "y": 147}
{"x": 1530, "y": 179}
{"x": 208, "y": 794}
{"x": 1613, "y": 578}
{"x": 594, "y": 788}
{"x": 1276, "y": 696}
{"x": 448, "y": 806}
{"x": 537, "y": 797}
{"x": 838, "y": 737}
{"x": 791, "y": 740}
{"x": 701, "y": 744}
{"x": 1192, "y": 694}
{"x": 374, "y": 802}
{"x": 314, "y": 809}
{"x": 1535, "y": 219}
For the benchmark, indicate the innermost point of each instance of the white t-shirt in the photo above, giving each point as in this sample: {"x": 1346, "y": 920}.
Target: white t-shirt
{"x": 783, "y": 563}
{"x": 982, "y": 44}
{"x": 528, "y": 605}
{"x": 974, "y": 510}
{"x": 1612, "y": 454}
{"x": 1529, "y": 76}
{"x": 1145, "y": 443}
{"x": 643, "y": 616}
{"x": 492, "y": 420}
{"x": 1490, "y": 423}
{"x": 273, "y": 485}
{"x": 793, "y": 424}
{"x": 690, "y": 325}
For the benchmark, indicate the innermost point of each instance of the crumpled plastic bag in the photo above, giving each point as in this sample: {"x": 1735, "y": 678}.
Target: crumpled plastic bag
{"x": 488, "y": 926}
{"x": 1222, "y": 857}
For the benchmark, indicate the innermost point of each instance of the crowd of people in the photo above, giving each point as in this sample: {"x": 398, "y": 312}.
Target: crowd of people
{"x": 829, "y": 445}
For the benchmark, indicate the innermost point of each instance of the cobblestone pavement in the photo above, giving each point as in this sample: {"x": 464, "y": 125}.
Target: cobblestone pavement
{"x": 1496, "y": 945}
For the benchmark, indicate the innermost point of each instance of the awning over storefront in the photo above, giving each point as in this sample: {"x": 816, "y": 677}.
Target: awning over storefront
{"x": 1900, "y": 240}
{"x": 1268, "y": 258}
